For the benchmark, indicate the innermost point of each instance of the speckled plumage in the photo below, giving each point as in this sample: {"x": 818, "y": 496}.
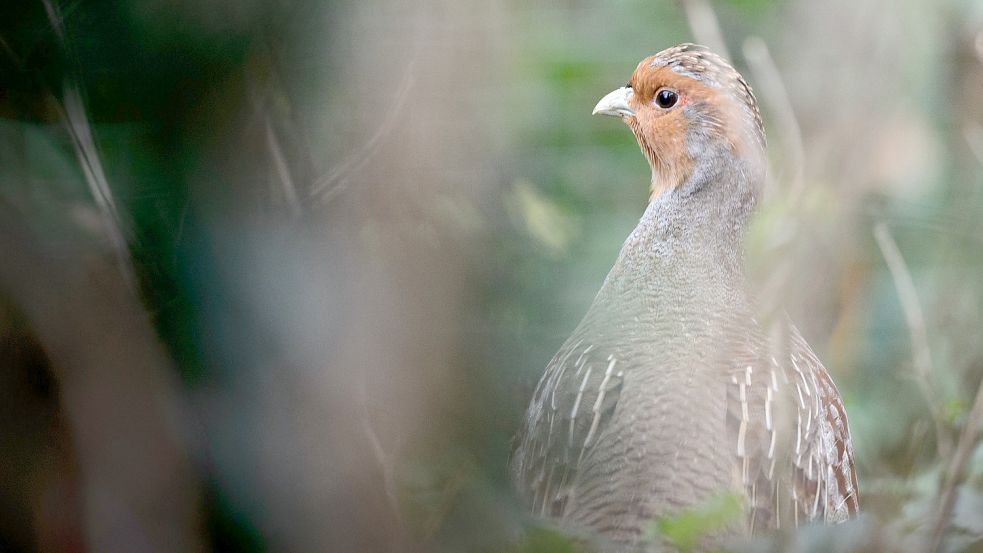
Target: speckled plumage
{"x": 668, "y": 394}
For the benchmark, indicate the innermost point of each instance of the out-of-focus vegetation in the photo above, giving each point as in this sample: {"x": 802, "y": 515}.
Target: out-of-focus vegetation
{"x": 280, "y": 275}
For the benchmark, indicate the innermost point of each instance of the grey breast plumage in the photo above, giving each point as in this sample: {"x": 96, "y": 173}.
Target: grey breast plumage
{"x": 586, "y": 456}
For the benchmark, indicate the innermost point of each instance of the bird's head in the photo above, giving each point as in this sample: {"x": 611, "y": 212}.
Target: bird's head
{"x": 690, "y": 111}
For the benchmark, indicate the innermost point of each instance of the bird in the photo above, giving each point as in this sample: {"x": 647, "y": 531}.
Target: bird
{"x": 670, "y": 394}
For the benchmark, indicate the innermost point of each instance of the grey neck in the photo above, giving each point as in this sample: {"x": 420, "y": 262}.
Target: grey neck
{"x": 692, "y": 235}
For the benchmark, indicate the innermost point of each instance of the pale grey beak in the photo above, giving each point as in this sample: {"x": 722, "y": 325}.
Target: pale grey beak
{"x": 615, "y": 104}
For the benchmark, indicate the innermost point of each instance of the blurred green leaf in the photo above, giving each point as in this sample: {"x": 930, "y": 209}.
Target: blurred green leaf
{"x": 572, "y": 71}
{"x": 954, "y": 410}
{"x": 686, "y": 529}
{"x": 543, "y": 219}
{"x": 546, "y": 540}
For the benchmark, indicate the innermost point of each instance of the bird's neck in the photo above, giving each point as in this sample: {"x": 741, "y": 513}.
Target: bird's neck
{"x": 693, "y": 233}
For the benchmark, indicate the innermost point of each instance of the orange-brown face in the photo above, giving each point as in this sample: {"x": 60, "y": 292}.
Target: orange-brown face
{"x": 675, "y": 116}
{"x": 658, "y": 97}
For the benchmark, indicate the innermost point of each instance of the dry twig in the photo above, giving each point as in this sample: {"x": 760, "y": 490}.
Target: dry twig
{"x": 957, "y": 471}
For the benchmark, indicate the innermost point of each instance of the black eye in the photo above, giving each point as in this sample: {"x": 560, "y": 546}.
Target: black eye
{"x": 666, "y": 98}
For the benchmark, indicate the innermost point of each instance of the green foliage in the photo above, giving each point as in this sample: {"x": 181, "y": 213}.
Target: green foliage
{"x": 546, "y": 540}
{"x": 544, "y": 220}
{"x": 753, "y": 6}
{"x": 686, "y": 530}
{"x": 955, "y": 410}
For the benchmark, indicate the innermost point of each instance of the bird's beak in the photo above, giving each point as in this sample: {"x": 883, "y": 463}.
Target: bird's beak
{"x": 615, "y": 104}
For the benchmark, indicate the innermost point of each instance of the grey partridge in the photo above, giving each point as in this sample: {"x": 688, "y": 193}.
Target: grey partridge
{"x": 669, "y": 393}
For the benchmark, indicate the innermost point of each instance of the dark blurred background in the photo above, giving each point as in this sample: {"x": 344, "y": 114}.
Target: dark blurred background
{"x": 280, "y": 275}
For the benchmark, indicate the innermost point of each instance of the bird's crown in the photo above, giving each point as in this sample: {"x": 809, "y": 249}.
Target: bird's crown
{"x": 699, "y": 63}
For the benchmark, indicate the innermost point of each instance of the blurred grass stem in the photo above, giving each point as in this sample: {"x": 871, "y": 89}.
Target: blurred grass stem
{"x": 282, "y": 170}
{"x": 915, "y": 319}
{"x": 772, "y": 91}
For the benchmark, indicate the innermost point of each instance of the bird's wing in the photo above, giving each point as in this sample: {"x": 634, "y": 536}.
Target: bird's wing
{"x": 793, "y": 452}
{"x": 754, "y": 415}
{"x": 574, "y": 400}
{"x": 825, "y": 478}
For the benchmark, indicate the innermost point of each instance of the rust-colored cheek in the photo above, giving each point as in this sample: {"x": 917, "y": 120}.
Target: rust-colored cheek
{"x": 662, "y": 138}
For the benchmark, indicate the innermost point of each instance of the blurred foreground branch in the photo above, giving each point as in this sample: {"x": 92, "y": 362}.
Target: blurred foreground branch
{"x": 116, "y": 387}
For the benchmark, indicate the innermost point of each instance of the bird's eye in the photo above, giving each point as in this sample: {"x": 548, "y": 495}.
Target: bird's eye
{"x": 666, "y": 98}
